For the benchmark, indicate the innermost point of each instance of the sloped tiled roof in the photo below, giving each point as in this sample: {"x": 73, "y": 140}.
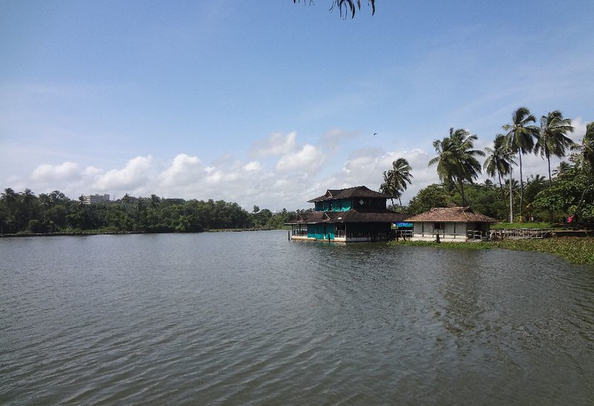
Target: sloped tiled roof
{"x": 349, "y": 193}
{"x": 350, "y": 216}
{"x": 451, "y": 214}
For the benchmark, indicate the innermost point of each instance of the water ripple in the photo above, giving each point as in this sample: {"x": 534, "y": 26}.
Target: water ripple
{"x": 249, "y": 318}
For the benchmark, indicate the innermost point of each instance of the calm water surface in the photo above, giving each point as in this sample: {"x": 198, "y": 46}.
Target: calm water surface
{"x": 253, "y": 319}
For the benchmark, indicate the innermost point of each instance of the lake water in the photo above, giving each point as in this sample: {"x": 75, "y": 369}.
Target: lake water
{"x": 253, "y": 319}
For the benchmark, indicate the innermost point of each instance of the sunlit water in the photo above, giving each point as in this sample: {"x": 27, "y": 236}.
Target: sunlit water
{"x": 253, "y": 319}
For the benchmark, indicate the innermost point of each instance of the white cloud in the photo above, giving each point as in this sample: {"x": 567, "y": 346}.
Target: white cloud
{"x": 276, "y": 145}
{"x": 293, "y": 177}
{"x": 253, "y": 166}
{"x": 366, "y": 167}
{"x": 579, "y": 129}
{"x": 309, "y": 159}
{"x": 46, "y": 172}
{"x": 336, "y": 138}
{"x": 183, "y": 170}
{"x": 134, "y": 175}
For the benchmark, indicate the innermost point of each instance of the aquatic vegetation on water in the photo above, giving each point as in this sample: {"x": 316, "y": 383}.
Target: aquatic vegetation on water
{"x": 577, "y": 250}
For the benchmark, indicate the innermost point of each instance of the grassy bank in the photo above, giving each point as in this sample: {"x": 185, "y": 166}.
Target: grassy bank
{"x": 576, "y": 250}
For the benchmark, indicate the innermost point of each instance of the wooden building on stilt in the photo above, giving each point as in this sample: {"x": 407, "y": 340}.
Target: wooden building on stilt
{"x": 356, "y": 214}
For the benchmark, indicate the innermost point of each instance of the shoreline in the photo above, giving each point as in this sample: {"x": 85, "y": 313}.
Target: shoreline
{"x": 100, "y": 232}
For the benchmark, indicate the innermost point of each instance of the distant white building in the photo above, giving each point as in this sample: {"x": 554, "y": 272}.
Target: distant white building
{"x": 92, "y": 199}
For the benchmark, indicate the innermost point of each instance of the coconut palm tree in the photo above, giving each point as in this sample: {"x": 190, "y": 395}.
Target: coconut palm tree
{"x": 520, "y": 138}
{"x": 396, "y": 179}
{"x": 587, "y": 147}
{"x": 456, "y": 162}
{"x": 499, "y": 160}
{"x": 9, "y": 196}
{"x": 348, "y": 6}
{"x": 562, "y": 169}
{"x": 551, "y": 139}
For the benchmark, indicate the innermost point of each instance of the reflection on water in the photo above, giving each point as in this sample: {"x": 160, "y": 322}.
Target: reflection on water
{"x": 250, "y": 318}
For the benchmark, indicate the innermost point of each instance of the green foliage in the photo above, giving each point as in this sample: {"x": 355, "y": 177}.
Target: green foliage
{"x": 54, "y": 213}
{"x": 486, "y": 199}
{"x": 570, "y": 194}
{"x": 432, "y": 196}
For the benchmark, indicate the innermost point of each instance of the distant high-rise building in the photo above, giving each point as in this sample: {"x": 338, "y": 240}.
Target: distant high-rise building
{"x": 92, "y": 199}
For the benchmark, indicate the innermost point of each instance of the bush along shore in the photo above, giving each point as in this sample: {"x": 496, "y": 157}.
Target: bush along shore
{"x": 576, "y": 250}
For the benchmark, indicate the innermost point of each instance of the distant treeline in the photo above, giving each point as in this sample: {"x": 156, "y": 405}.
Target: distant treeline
{"x": 55, "y": 213}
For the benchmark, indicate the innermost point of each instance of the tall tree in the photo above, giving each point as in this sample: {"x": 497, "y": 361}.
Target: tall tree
{"x": 587, "y": 148}
{"x": 456, "y": 160}
{"x": 346, "y": 6}
{"x": 499, "y": 160}
{"x": 9, "y": 196}
{"x": 9, "y": 201}
{"x": 520, "y": 138}
{"x": 552, "y": 139}
{"x": 396, "y": 179}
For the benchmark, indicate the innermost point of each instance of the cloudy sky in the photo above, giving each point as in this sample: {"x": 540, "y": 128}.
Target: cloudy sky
{"x": 267, "y": 102}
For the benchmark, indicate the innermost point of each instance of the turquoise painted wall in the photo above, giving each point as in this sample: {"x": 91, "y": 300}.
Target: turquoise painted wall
{"x": 320, "y": 231}
{"x": 337, "y": 205}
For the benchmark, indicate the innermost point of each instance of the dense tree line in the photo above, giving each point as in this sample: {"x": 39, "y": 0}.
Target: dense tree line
{"x": 567, "y": 194}
{"x": 25, "y": 212}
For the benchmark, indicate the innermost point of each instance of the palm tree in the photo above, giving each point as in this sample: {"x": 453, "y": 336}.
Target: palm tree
{"x": 587, "y": 147}
{"x": 562, "y": 169}
{"x": 520, "y": 138}
{"x": 499, "y": 160}
{"x": 551, "y": 138}
{"x": 8, "y": 196}
{"x": 348, "y": 5}
{"x": 27, "y": 197}
{"x": 586, "y": 157}
{"x": 9, "y": 201}
{"x": 395, "y": 179}
{"x": 456, "y": 162}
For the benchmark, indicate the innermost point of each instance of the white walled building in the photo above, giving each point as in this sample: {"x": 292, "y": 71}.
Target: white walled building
{"x": 92, "y": 199}
{"x": 450, "y": 224}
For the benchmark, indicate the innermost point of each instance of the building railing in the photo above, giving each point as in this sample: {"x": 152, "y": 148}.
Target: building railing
{"x": 469, "y": 235}
{"x": 404, "y": 234}
{"x": 475, "y": 235}
{"x": 521, "y": 233}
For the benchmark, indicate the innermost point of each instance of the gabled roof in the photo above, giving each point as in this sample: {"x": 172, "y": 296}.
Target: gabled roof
{"x": 451, "y": 215}
{"x": 350, "y": 216}
{"x": 349, "y": 193}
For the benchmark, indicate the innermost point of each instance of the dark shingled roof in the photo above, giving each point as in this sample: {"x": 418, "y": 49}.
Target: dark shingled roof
{"x": 451, "y": 215}
{"x": 349, "y": 193}
{"x": 350, "y": 216}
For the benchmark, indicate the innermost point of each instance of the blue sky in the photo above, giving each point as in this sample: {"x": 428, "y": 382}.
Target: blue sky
{"x": 270, "y": 103}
